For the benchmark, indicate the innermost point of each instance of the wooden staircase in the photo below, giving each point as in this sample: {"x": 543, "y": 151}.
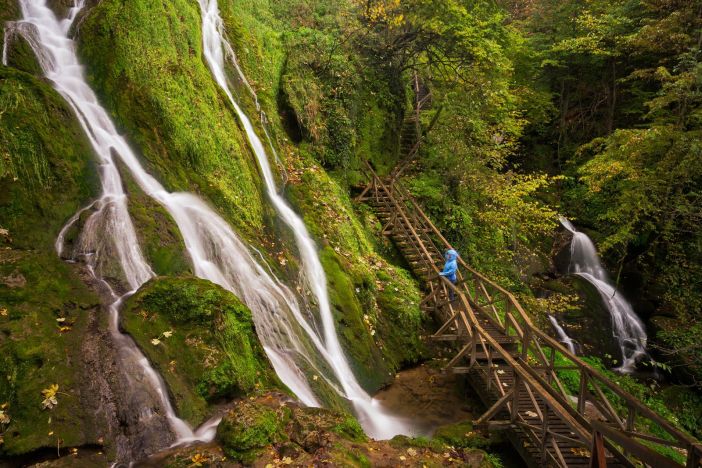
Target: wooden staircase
{"x": 412, "y": 134}
{"x": 516, "y": 368}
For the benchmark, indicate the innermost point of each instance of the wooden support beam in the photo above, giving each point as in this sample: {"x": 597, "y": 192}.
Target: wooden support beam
{"x": 493, "y": 410}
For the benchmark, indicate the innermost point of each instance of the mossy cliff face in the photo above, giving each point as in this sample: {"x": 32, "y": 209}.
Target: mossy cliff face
{"x": 144, "y": 59}
{"x": 46, "y": 175}
{"x": 376, "y": 305}
{"x": 155, "y": 82}
{"x": 201, "y": 339}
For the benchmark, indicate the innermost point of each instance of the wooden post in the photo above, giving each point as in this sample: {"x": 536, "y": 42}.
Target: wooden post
{"x": 598, "y": 459}
{"x": 582, "y": 392}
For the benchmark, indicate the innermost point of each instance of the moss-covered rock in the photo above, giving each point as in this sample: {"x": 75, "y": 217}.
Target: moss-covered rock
{"x": 156, "y": 85}
{"x": 271, "y": 429}
{"x": 158, "y": 234}
{"x": 376, "y": 304}
{"x": 46, "y": 175}
{"x": 201, "y": 339}
{"x": 247, "y": 431}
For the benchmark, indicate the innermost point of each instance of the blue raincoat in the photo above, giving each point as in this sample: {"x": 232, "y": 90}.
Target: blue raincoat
{"x": 451, "y": 266}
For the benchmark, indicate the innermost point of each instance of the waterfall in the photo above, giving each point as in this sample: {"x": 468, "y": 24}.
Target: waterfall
{"x": 216, "y": 253}
{"x": 562, "y": 335}
{"x": 626, "y": 325}
{"x": 376, "y": 423}
{"x": 108, "y": 233}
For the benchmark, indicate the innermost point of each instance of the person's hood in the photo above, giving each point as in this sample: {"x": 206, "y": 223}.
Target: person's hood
{"x": 451, "y": 255}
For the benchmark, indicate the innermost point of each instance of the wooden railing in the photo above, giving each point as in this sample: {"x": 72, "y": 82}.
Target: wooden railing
{"x": 422, "y": 101}
{"x": 538, "y": 366}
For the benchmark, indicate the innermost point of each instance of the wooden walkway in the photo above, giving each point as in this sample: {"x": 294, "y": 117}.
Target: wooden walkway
{"x": 517, "y": 369}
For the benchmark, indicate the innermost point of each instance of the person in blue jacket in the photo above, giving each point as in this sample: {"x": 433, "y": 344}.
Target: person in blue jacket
{"x": 450, "y": 269}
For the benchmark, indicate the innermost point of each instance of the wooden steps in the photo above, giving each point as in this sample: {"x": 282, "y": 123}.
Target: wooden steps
{"x": 543, "y": 426}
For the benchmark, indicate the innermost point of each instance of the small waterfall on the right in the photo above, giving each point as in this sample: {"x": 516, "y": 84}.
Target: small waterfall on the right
{"x": 626, "y": 325}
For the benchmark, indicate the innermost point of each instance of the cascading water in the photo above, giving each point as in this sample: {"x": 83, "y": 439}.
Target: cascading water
{"x": 215, "y": 251}
{"x": 370, "y": 414}
{"x": 562, "y": 335}
{"x": 626, "y": 325}
{"x": 108, "y": 233}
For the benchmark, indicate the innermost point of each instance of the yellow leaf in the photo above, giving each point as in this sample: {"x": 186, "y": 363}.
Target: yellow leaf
{"x": 49, "y": 395}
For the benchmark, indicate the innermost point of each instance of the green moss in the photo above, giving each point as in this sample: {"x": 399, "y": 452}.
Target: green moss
{"x": 460, "y": 435}
{"x": 144, "y": 59}
{"x": 46, "y": 175}
{"x": 36, "y": 354}
{"x": 9, "y": 10}
{"x": 245, "y": 432}
{"x": 159, "y": 237}
{"x": 350, "y": 429}
{"x": 21, "y": 56}
{"x": 376, "y": 305}
{"x": 46, "y": 168}
{"x": 213, "y": 352}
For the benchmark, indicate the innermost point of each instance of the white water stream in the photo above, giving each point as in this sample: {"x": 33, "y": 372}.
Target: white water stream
{"x": 562, "y": 335}
{"x": 375, "y": 421}
{"x": 215, "y": 251}
{"x": 626, "y": 325}
{"x": 108, "y": 234}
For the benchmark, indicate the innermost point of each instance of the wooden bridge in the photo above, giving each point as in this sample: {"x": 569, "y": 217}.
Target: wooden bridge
{"x": 557, "y": 409}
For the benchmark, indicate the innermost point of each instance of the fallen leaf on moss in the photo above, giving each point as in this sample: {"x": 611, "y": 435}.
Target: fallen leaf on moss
{"x": 155, "y": 342}
{"x": 49, "y": 395}
{"x": 168, "y": 334}
{"x": 4, "y": 417}
{"x": 198, "y": 459}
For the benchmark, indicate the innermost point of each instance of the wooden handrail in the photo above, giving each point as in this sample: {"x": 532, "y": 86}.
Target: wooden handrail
{"x": 530, "y": 335}
{"x": 472, "y": 322}
{"x": 592, "y": 372}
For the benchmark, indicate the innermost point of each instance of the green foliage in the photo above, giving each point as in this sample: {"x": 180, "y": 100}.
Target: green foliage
{"x": 460, "y": 435}
{"x": 626, "y": 78}
{"x": 350, "y": 429}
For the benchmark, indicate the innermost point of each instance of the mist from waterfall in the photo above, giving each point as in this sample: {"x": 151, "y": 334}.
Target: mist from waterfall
{"x": 626, "y": 325}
